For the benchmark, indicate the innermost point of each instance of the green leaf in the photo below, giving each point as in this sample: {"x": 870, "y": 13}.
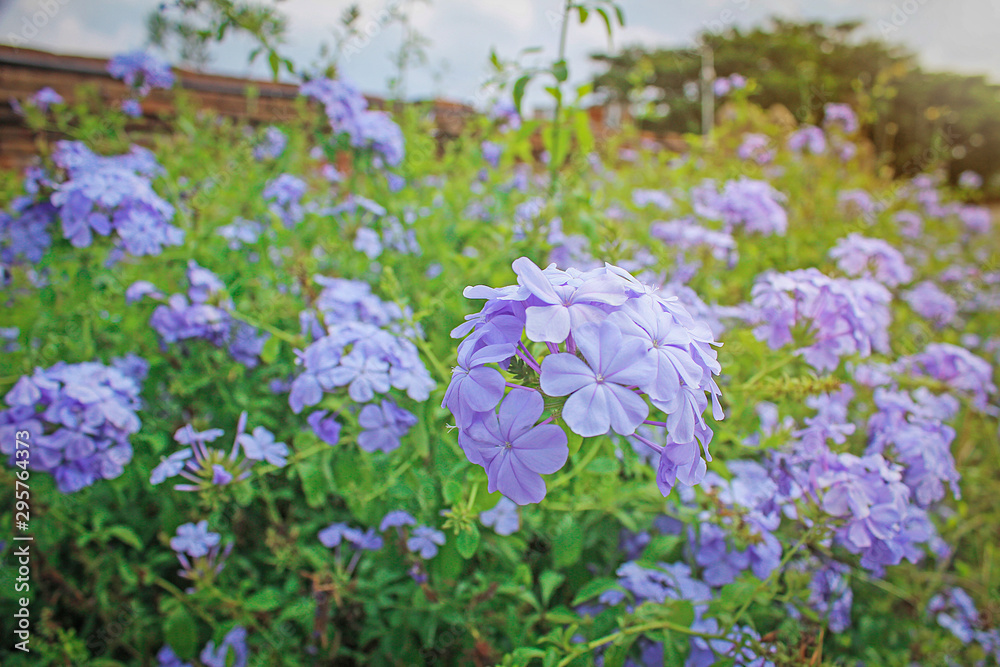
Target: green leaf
{"x": 468, "y": 542}
{"x": 603, "y": 465}
{"x": 126, "y": 535}
{"x": 313, "y": 481}
{"x": 568, "y": 546}
{"x": 269, "y": 352}
{"x": 606, "y": 19}
{"x": 519, "y": 87}
{"x": 620, "y": 14}
{"x": 549, "y": 581}
{"x": 267, "y": 599}
{"x": 583, "y": 13}
{"x": 452, "y": 492}
{"x": 181, "y": 633}
{"x": 593, "y": 588}
{"x": 560, "y": 70}
{"x": 274, "y": 61}
{"x": 615, "y": 655}
{"x": 660, "y": 547}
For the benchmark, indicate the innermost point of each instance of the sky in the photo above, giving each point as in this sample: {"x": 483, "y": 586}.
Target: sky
{"x": 954, "y": 35}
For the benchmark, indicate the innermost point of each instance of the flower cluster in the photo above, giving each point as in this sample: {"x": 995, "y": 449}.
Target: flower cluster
{"x": 808, "y": 138}
{"x": 756, "y": 147}
{"x": 347, "y": 110}
{"x": 842, "y": 116}
{"x": 843, "y": 316}
{"x": 658, "y": 198}
{"x": 913, "y": 427}
{"x": 80, "y": 417}
{"x": 24, "y": 231}
{"x": 748, "y": 203}
{"x": 660, "y": 582}
{"x": 105, "y": 194}
{"x": 929, "y": 301}
{"x": 726, "y": 84}
{"x": 955, "y": 611}
{"x": 203, "y": 313}
{"x": 364, "y": 344}
{"x": 686, "y": 234}
{"x": 420, "y": 540}
{"x": 961, "y": 370}
{"x": 200, "y": 552}
{"x": 858, "y": 255}
{"x": 44, "y": 98}
{"x": 231, "y": 652}
{"x": 205, "y": 467}
{"x": 611, "y": 345}
{"x": 142, "y": 71}
{"x": 284, "y": 197}
{"x": 272, "y": 144}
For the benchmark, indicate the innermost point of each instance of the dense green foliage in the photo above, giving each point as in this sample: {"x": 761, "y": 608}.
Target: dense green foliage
{"x": 917, "y": 120}
{"x": 104, "y": 587}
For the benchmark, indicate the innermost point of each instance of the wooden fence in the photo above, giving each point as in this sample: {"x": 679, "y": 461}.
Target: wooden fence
{"x": 24, "y": 71}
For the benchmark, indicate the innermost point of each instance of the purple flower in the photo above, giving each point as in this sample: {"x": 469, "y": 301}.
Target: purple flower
{"x": 367, "y": 241}
{"x": 132, "y": 108}
{"x": 170, "y": 466}
{"x": 831, "y": 596}
{"x": 425, "y": 541}
{"x": 929, "y": 301}
{"x": 503, "y": 518}
{"x": 334, "y": 534}
{"x": 970, "y": 180}
{"x": 491, "y": 153}
{"x": 396, "y": 519}
{"x": 756, "y": 147}
{"x": 841, "y": 115}
{"x": 141, "y": 71}
{"x": 81, "y": 417}
{"x": 977, "y": 219}
{"x": 195, "y": 540}
{"x": 105, "y": 194}
{"x": 563, "y": 307}
{"x": 642, "y": 198}
{"x": 240, "y": 232}
{"x": 506, "y": 115}
{"x": 598, "y": 398}
{"x": 261, "y": 447}
{"x": 809, "y": 138}
{"x": 326, "y": 429}
{"x": 910, "y": 223}
{"x": 45, "y": 98}
{"x": 474, "y": 386}
{"x": 383, "y": 426}
{"x": 514, "y": 451}
{"x": 232, "y": 652}
{"x": 857, "y": 202}
{"x": 754, "y": 205}
{"x": 271, "y": 145}
{"x": 844, "y": 316}
{"x": 366, "y": 541}
{"x": 858, "y": 255}
{"x": 962, "y": 370}
{"x": 284, "y": 195}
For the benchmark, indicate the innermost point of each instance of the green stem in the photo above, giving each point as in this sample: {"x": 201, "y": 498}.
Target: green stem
{"x": 557, "y": 118}
{"x": 577, "y": 468}
{"x": 806, "y": 536}
{"x": 277, "y": 333}
{"x": 637, "y": 629}
{"x": 765, "y": 372}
